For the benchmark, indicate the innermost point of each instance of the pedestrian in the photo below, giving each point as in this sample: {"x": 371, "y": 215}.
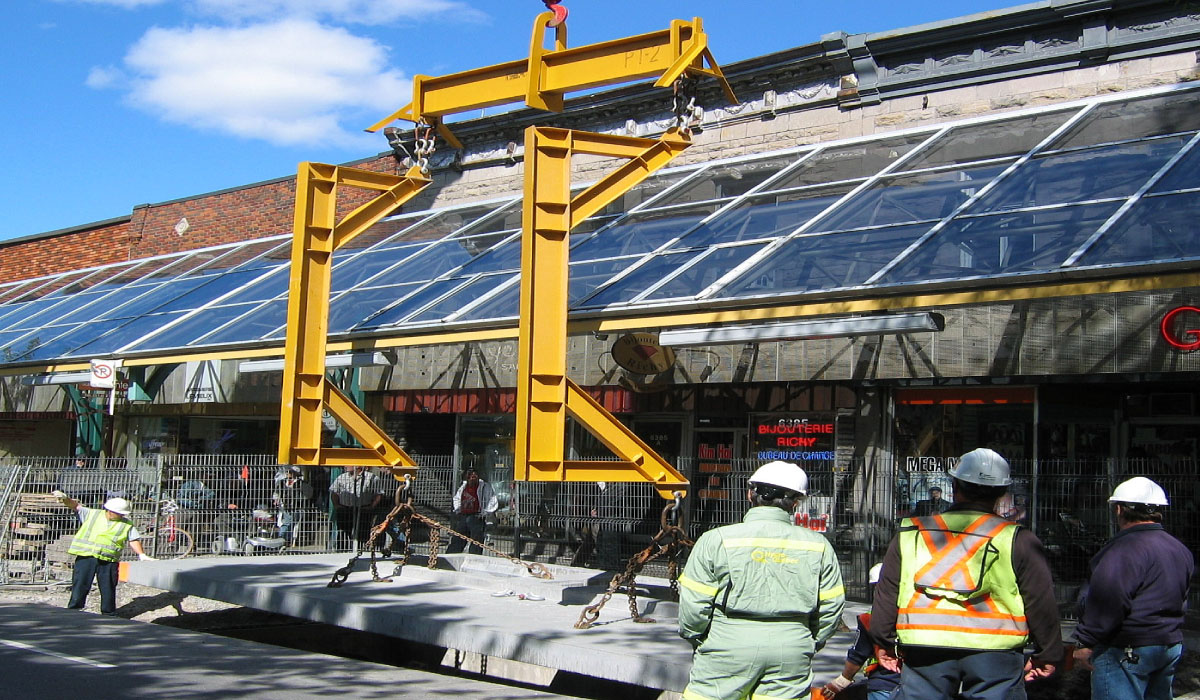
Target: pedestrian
{"x": 934, "y": 505}
{"x": 97, "y": 547}
{"x": 292, "y": 496}
{"x": 355, "y": 494}
{"x": 880, "y": 683}
{"x": 473, "y": 502}
{"x": 962, "y": 592}
{"x": 759, "y": 598}
{"x": 1131, "y": 614}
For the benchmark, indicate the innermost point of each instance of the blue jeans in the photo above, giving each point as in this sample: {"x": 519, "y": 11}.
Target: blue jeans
{"x": 931, "y": 673}
{"x": 1117, "y": 677}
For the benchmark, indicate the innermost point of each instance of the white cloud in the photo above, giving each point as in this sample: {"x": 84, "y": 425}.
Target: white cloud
{"x": 101, "y": 77}
{"x": 288, "y": 82}
{"x": 370, "y": 12}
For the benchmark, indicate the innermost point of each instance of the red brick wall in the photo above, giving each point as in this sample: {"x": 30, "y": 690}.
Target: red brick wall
{"x": 245, "y": 213}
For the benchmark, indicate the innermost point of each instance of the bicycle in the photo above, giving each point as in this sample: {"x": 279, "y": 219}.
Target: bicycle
{"x": 168, "y": 540}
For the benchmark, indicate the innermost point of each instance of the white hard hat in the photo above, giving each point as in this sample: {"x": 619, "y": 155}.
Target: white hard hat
{"x": 785, "y": 475}
{"x": 873, "y": 574}
{"x": 984, "y": 467}
{"x": 1139, "y": 490}
{"x": 120, "y": 506}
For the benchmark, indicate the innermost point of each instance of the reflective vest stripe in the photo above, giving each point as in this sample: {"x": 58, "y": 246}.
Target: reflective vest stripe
{"x": 832, "y": 593}
{"x": 701, "y": 588}
{"x": 776, "y": 542}
{"x": 952, "y": 553}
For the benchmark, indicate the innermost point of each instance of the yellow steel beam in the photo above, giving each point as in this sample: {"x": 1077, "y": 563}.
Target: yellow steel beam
{"x": 545, "y": 76}
{"x": 545, "y": 395}
{"x": 307, "y": 392}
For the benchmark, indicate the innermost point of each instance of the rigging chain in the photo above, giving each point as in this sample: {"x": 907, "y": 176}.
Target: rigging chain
{"x": 405, "y": 511}
{"x": 671, "y": 541}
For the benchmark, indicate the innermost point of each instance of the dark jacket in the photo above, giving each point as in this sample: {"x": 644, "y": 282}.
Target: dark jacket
{"x": 1137, "y": 591}
{"x": 1033, "y": 580}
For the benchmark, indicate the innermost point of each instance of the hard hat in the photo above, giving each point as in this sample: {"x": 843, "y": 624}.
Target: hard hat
{"x": 873, "y": 574}
{"x": 984, "y": 467}
{"x": 120, "y": 506}
{"x": 1139, "y": 490}
{"x": 785, "y": 475}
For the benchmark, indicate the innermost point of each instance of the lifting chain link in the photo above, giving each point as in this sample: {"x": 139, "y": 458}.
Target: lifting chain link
{"x": 683, "y": 104}
{"x": 406, "y": 513}
{"x": 424, "y": 145}
{"x": 671, "y": 541}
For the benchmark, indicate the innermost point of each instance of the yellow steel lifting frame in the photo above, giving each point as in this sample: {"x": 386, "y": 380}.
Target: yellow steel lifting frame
{"x": 307, "y": 392}
{"x": 542, "y": 79}
{"x": 545, "y": 395}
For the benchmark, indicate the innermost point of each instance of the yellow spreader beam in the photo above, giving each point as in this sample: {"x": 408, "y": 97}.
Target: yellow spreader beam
{"x": 542, "y": 79}
{"x": 545, "y": 395}
{"x": 307, "y": 392}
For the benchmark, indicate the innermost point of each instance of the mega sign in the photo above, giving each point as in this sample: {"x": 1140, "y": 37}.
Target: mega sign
{"x": 794, "y": 438}
{"x": 1181, "y": 327}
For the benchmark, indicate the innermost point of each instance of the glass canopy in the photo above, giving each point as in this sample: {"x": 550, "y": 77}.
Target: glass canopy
{"x": 1073, "y": 188}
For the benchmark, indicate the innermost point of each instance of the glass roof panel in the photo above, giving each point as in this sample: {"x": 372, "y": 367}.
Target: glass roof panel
{"x": 446, "y": 221}
{"x": 764, "y": 216}
{"x": 274, "y": 284}
{"x": 411, "y": 303}
{"x": 1132, "y": 119}
{"x": 52, "y": 342}
{"x": 461, "y": 297}
{"x": 1155, "y": 229}
{"x": 355, "y": 271}
{"x": 909, "y": 198}
{"x": 1077, "y": 176}
{"x": 434, "y": 260}
{"x": 830, "y": 261}
{"x": 197, "y": 326}
{"x": 16, "y": 319}
{"x": 725, "y": 180}
{"x": 147, "y": 298}
{"x": 121, "y": 336}
{"x": 1030, "y": 241}
{"x": 252, "y": 326}
{"x": 13, "y": 347}
{"x": 636, "y": 282}
{"x": 642, "y": 232}
{"x": 698, "y": 276}
{"x": 355, "y": 306}
{"x": 383, "y": 231}
{"x": 506, "y": 256}
{"x": 851, "y": 162}
{"x": 1184, "y": 174}
{"x": 998, "y": 139}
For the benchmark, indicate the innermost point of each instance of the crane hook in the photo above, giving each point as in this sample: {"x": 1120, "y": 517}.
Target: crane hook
{"x": 560, "y": 12}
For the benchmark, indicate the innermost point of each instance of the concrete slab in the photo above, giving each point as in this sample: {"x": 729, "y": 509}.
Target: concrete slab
{"x": 456, "y": 608}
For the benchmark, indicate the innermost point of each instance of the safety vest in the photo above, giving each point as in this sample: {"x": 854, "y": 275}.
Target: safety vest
{"x": 100, "y": 537}
{"x": 958, "y": 588}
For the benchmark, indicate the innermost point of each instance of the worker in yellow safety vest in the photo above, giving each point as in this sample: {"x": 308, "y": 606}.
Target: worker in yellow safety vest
{"x": 102, "y": 535}
{"x": 962, "y": 592}
{"x": 759, "y": 598}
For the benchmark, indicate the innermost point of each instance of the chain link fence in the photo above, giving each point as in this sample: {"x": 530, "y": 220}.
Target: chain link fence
{"x": 234, "y": 505}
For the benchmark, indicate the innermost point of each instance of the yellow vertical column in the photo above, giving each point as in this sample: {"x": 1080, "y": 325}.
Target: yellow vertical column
{"x": 542, "y": 357}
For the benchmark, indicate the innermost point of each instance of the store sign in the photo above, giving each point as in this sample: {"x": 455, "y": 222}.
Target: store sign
{"x": 640, "y": 353}
{"x": 807, "y": 437}
{"x": 1180, "y": 327}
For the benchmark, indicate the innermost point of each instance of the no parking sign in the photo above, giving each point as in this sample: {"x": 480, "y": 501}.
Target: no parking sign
{"x": 104, "y": 374}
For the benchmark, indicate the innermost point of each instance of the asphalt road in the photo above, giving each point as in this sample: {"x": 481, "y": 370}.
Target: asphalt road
{"x": 50, "y": 653}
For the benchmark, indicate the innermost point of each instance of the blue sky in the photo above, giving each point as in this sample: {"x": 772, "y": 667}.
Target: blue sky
{"x": 109, "y": 104}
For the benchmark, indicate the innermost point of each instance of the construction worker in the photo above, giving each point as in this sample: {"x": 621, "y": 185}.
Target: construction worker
{"x": 758, "y": 599}
{"x": 1131, "y": 614}
{"x": 97, "y": 547}
{"x": 880, "y": 683}
{"x": 961, "y": 593}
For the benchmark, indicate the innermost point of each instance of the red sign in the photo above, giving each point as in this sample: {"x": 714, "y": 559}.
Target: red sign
{"x": 816, "y": 523}
{"x": 1181, "y": 328}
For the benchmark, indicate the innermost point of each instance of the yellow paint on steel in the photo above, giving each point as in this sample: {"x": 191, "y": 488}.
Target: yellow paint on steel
{"x": 545, "y": 76}
{"x": 307, "y": 392}
{"x": 545, "y": 395}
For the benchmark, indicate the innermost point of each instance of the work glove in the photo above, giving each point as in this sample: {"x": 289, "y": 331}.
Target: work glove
{"x": 60, "y": 495}
{"x": 146, "y": 557}
{"x": 836, "y": 686}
